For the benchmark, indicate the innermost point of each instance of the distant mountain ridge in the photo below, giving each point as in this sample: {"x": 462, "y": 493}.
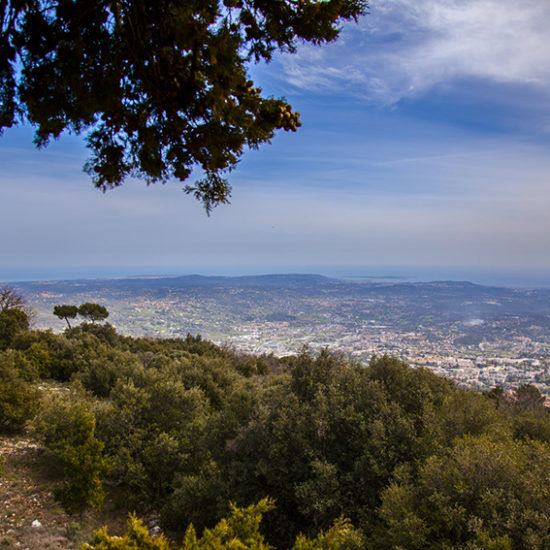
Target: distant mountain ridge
{"x": 264, "y": 279}
{"x": 447, "y": 325}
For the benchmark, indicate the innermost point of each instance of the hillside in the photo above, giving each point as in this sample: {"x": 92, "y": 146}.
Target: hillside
{"x": 31, "y": 517}
{"x": 477, "y": 335}
{"x": 176, "y": 429}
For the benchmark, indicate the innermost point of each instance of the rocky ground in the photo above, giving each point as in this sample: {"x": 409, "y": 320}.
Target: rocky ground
{"x": 30, "y": 518}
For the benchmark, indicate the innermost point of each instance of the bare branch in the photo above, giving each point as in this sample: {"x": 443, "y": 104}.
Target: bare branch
{"x": 11, "y": 299}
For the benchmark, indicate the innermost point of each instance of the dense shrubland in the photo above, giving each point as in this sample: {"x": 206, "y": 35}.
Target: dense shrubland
{"x": 185, "y": 428}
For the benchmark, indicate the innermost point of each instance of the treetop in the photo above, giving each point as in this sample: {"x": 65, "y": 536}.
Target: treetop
{"x": 160, "y": 88}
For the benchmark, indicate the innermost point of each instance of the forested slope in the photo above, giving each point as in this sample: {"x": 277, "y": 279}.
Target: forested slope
{"x": 182, "y": 428}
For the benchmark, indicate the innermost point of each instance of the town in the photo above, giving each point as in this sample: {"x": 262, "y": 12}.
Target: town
{"x": 481, "y": 337}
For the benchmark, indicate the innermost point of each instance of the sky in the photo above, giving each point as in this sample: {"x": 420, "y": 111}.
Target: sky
{"x": 425, "y": 149}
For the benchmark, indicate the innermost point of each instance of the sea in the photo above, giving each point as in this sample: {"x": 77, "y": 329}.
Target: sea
{"x": 491, "y": 276}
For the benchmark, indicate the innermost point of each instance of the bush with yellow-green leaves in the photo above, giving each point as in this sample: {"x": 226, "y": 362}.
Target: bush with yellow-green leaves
{"x": 240, "y": 531}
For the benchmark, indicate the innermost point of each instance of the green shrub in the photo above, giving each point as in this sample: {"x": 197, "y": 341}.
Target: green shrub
{"x": 136, "y": 538}
{"x": 12, "y": 321}
{"x": 18, "y": 400}
{"x": 239, "y": 531}
{"x": 15, "y": 359}
{"x": 67, "y": 428}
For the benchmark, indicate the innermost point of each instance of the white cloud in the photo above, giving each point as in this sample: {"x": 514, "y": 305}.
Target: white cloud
{"x": 404, "y": 48}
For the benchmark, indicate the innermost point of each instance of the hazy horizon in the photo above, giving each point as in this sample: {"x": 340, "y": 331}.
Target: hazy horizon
{"x": 425, "y": 142}
{"x": 484, "y": 276}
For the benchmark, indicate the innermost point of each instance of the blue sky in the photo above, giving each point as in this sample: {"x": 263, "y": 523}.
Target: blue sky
{"x": 425, "y": 142}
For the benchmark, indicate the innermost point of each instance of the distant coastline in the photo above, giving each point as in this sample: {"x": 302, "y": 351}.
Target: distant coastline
{"x": 511, "y": 278}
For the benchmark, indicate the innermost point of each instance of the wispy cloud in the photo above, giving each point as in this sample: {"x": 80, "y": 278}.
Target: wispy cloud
{"x": 404, "y": 48}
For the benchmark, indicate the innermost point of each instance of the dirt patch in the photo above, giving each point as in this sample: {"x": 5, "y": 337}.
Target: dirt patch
{"x": 30, "y": 518}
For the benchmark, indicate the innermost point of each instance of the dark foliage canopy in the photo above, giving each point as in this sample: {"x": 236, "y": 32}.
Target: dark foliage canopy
{"x": 12, "y": 321}
{"x": 93, "y": 312}
{"x": 160, "y": 88}
{"x": 66, "y": 312}
{"x": 184, "y": 427}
